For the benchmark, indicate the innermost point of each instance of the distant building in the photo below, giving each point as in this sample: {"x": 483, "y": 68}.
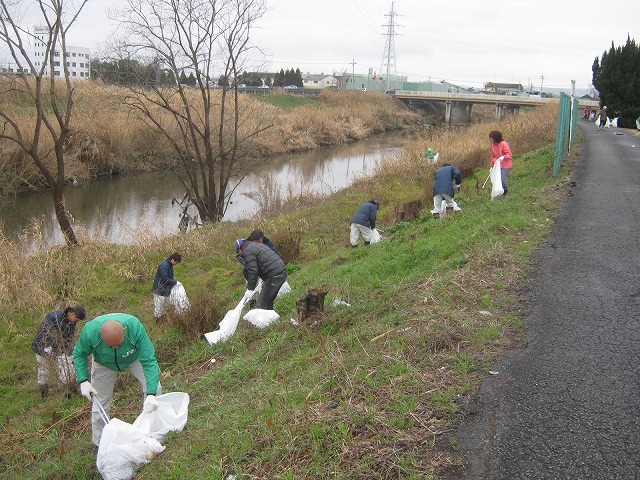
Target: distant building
{"x": 503, "y": 88}
{"x": 78, "y": 58}
{"x": 319, "y": 81}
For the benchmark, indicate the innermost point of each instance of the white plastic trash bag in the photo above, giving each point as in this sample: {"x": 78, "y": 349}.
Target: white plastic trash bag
{"x": 284, "y": 289}
{"x": 496, "y": 180}
{"x": 123, "y": 449}
{"x": 178, "y": 298}
{"x": 375, "y": 236}
{"x": 171, "y": 416}
{"x": 65, "y": 368}
{"x": 261, "y": 318}
{"x": 227, "y": 326}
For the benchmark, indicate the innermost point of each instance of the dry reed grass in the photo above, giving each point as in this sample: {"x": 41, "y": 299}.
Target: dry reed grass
{"x": 108, "y": 137}
{"x": 469, "y": 148}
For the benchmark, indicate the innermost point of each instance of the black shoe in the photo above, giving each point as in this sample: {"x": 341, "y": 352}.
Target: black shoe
{"x": 366, "y": 244}
{"x": 354, "y": 246}
{"x": 44, "y": 391}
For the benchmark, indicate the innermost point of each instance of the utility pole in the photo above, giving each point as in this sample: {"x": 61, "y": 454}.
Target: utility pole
{"x": 389, "y": 56}
{"x": 541, "y": 80}
{"x": 353, "y": 73}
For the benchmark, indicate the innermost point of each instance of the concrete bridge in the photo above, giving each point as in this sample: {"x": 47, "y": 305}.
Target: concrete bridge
{"x": 457, "y": 106}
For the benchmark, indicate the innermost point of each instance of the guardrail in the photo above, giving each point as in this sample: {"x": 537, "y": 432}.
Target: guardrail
{"x": 487, "y": 98}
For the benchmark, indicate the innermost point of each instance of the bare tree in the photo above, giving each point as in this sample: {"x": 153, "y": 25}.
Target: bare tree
{"x": 205, "y": 124}
{"x": 35, "y": 84}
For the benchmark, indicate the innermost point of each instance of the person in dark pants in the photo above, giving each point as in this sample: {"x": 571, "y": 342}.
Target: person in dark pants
{"x": 500, "y": 149}
{"x": 162, "y": 285}
{"x": 54, "y": 343}
{"x": 443, "y": 187}
{"x": 262, "y": 262}
{"x": 363, "y": 222}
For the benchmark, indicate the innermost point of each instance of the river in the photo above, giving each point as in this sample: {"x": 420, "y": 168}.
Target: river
{"x": 122, "y": 209}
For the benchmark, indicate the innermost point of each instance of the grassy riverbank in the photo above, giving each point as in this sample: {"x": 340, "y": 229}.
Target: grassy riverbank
{"x": 365, "y": 391}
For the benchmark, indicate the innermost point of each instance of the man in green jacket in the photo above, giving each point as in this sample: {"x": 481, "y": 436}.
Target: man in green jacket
{"x": 117, "y": 341}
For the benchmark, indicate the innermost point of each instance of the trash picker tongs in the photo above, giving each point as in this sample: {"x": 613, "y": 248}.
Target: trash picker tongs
{"x": 103, "y": 414}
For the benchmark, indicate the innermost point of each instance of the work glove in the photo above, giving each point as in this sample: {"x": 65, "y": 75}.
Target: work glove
{"x": 458, "y": 186}
{"x": 86, "y": 389}
{"x": 150, "y": 404}
{"x": 48, "y": 350}
{"x": 248, "y": 294}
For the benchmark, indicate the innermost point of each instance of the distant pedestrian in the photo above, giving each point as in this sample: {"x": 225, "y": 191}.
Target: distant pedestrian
{"x": 262, "y": 262}
{"x": 363, "y": 222}
{"x": 162, "y": 285}
{"x": 602, "y": 119}
{"x": 54, "y": 344}
{"x": 500, "y": 149}
{"x": 587, "y": 113}
{"x": 443, "y": 188}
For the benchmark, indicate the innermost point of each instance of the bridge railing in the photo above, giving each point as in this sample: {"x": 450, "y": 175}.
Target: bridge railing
{"x": 488, "y": 98}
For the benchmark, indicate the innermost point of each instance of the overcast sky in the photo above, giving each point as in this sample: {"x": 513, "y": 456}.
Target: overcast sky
{"x": 467, "y": 42}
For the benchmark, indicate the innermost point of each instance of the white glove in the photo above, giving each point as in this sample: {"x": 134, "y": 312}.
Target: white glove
{"x": 86, "y": 389}
{"x": 48, "y": 350}
{"x": 150, "y": 404}
{"x": 248, "y": 294}
{"x": 458, "y": 186}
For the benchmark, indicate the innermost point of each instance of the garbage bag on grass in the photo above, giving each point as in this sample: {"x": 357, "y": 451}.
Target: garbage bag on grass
{"x": 171, "y": 416}
{"x": 284, "y": 289}
{"x": 123, "y": 449}
{"x": 227, "y": 325}
{"x": 261, "y": 318}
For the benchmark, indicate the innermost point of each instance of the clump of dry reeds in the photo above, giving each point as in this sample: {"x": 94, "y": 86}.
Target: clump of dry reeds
{"x": 470, "y": 147}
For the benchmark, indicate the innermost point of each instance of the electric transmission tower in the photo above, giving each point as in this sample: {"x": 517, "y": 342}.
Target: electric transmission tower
{"x": 388, "y": 68}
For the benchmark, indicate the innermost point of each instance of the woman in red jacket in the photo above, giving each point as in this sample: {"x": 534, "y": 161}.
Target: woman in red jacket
{"x": 501, "y": 150}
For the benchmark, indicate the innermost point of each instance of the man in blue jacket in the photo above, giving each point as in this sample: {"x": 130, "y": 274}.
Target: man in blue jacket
{"x": 162, "y": 285}
{"x": 363, "y": 222}
{"x": 117, "y": 342}
{"x": 443, "y": 188}
{"x": 54, "y": 343}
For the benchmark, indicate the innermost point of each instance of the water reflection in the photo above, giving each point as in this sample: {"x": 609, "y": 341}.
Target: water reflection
{"x": 119, "y": 209}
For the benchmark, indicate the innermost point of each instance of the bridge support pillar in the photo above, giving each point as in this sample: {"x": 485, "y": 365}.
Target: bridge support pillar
{"x": 504, "y": 110}
{"x": 457, "y": 113}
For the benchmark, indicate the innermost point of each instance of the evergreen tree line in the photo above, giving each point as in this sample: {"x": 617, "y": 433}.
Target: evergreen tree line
{"x": 616, "y": 76}
{"x": 130, "y": 72}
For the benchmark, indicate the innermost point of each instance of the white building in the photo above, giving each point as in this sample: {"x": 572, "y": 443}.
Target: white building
{"x": 78, "y": 59}
{"x": 319, "y": 81}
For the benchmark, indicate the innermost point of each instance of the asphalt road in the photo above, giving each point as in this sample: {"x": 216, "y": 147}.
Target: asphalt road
{"x": 567, "y": 406}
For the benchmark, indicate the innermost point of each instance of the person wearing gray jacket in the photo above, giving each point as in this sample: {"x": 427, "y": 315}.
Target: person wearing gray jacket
{"x": 262, "y": 262}
{"x": 363, "y": 222}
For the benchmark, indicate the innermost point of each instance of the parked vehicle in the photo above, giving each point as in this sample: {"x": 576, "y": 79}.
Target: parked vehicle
{"x": 290, "y": 87}
{"x": 263, "y": 86}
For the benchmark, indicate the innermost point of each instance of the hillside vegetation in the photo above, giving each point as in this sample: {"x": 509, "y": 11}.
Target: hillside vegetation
{"x": 371, "y": 390}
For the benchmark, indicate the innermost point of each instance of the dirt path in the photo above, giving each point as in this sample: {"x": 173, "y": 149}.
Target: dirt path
{"x": 568, "y": 405}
